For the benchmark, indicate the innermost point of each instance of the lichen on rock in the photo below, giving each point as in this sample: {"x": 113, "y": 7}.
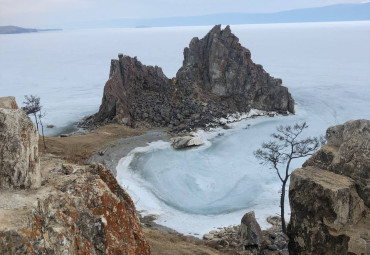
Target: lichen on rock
{"x": 86, "y": 212}
{"x": 329, "y": 196}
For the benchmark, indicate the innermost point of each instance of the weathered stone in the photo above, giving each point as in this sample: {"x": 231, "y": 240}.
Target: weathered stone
{"x": 208, "y": 236}
{"x": 19, "y": 159}
{"x": 86, "y": 213}
{"x": 186, "y": 142}
{"x": 8, "y": 103}
{"x": 347, "y": 153}
{"x": 328, "y": 196}
{"x": 250, "y": 231}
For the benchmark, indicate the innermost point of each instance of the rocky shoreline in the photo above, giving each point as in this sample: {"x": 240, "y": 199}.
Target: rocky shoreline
{"x": 65, "y": 207}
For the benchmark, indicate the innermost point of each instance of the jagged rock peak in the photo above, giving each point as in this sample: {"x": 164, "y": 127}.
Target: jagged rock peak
{"x": 218, "y": 64}
{"x": 217, "y": 78}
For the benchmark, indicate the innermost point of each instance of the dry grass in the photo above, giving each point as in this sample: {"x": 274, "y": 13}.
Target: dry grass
{"x": 78, "y": 148}
{"x": 162, "y": 243}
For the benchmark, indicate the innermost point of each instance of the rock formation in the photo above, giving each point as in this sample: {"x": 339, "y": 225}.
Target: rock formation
{"x": 217, "y": 78}
{"x": 19, "y": 159}
{"x": 220, "y": 65}
{"x": 81, "y": 210}
{"x": 329, "y": 196}
{"x": 133, "y": 92}
{"x": 250, "y": 232}
{"x": 8, "y": 103}
{"x": 186, "y": 142}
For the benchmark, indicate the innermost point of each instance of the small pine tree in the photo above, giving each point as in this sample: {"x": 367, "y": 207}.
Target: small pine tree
{"x": 33, "y": 107}
{"x": 284, "y": 148}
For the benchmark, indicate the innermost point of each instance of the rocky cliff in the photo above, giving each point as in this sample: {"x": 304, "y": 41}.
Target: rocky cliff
{"x": 80, "y": 210}
{"x": 19, "y": 159}
{"x": 218, "y": 77}
{"x": 76, "y": 210}
{"x": 218, "y": 64}
{"x": 329, "y": 196}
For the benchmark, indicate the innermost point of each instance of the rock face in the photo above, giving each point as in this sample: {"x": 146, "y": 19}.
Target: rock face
{"x": 217, "y": 78}
{"x": 220, "y": 65}
{"x": 133, "y": 91}
{"x": 329, "y": 196}
{"x": 84, "y": 212}
{"x": 250, "y": 232}
{"x": 19, "y": 159}
{"x": 8, "y": 103}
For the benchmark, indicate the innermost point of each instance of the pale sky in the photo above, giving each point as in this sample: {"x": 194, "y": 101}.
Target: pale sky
{"x": 51, "y": 13}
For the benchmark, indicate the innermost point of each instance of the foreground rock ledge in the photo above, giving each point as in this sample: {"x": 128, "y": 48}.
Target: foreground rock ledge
{"x": 218, "y": 77}
{"x": 19, "y": 157}
{"x": 80, "y": 210}
{"x": 329, "y": 196}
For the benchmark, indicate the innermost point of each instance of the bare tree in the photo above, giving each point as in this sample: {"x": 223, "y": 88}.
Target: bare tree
{"x": 32, "y": 107}
{"x": 284, "y": 147}
{"x": 40, "y": 116}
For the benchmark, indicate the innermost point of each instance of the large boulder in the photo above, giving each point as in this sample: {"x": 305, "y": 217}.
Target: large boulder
{"x": 329, "y": 196}
{"x": 19, "y": 159}
{"x": 250, "y": 232}
{"x": 217, "y": 78}
{"x": 84, "y": 212}
{"x": 186, "y": 142}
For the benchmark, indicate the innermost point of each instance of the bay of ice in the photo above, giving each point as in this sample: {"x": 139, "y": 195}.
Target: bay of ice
{"x": 326, "y": 67}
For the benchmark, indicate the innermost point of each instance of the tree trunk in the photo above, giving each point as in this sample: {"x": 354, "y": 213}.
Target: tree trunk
{"x": 37, "y": 124}
{"x": 282, "y": 206}
{"x": 43, "y": 137}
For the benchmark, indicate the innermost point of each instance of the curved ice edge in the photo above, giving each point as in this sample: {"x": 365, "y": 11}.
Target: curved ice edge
{"x": 149, "y": 204}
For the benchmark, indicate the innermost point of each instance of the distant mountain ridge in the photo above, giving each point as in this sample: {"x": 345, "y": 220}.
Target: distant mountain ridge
{"x": 332, "y": 13}
{"x": 18, "y": 30}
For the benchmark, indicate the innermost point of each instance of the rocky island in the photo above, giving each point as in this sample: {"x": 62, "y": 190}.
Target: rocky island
{"x": 218, "y": 77}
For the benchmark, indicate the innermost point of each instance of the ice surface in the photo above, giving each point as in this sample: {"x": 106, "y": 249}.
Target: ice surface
{"x": 324, "y": 65}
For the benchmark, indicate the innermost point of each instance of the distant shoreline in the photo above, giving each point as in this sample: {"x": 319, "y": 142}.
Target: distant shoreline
{"x": 21, "y": 30}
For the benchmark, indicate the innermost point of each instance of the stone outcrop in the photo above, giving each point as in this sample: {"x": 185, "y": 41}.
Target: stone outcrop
{"x": 8, "y": 103}
{"x": 80, "y": 210}
{"x": 250, "y": 232}
{"x": 329, "y": 196}
{"x": 217, "y": 78}
{"x": 133, "y": 91}
{"x": 19, "y": 159}
{"x": 186, "y": 142}
{"x": 218, "y": 64}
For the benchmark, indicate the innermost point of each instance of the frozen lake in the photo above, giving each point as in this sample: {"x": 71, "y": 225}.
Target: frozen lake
{"x": 324, "y": 65}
